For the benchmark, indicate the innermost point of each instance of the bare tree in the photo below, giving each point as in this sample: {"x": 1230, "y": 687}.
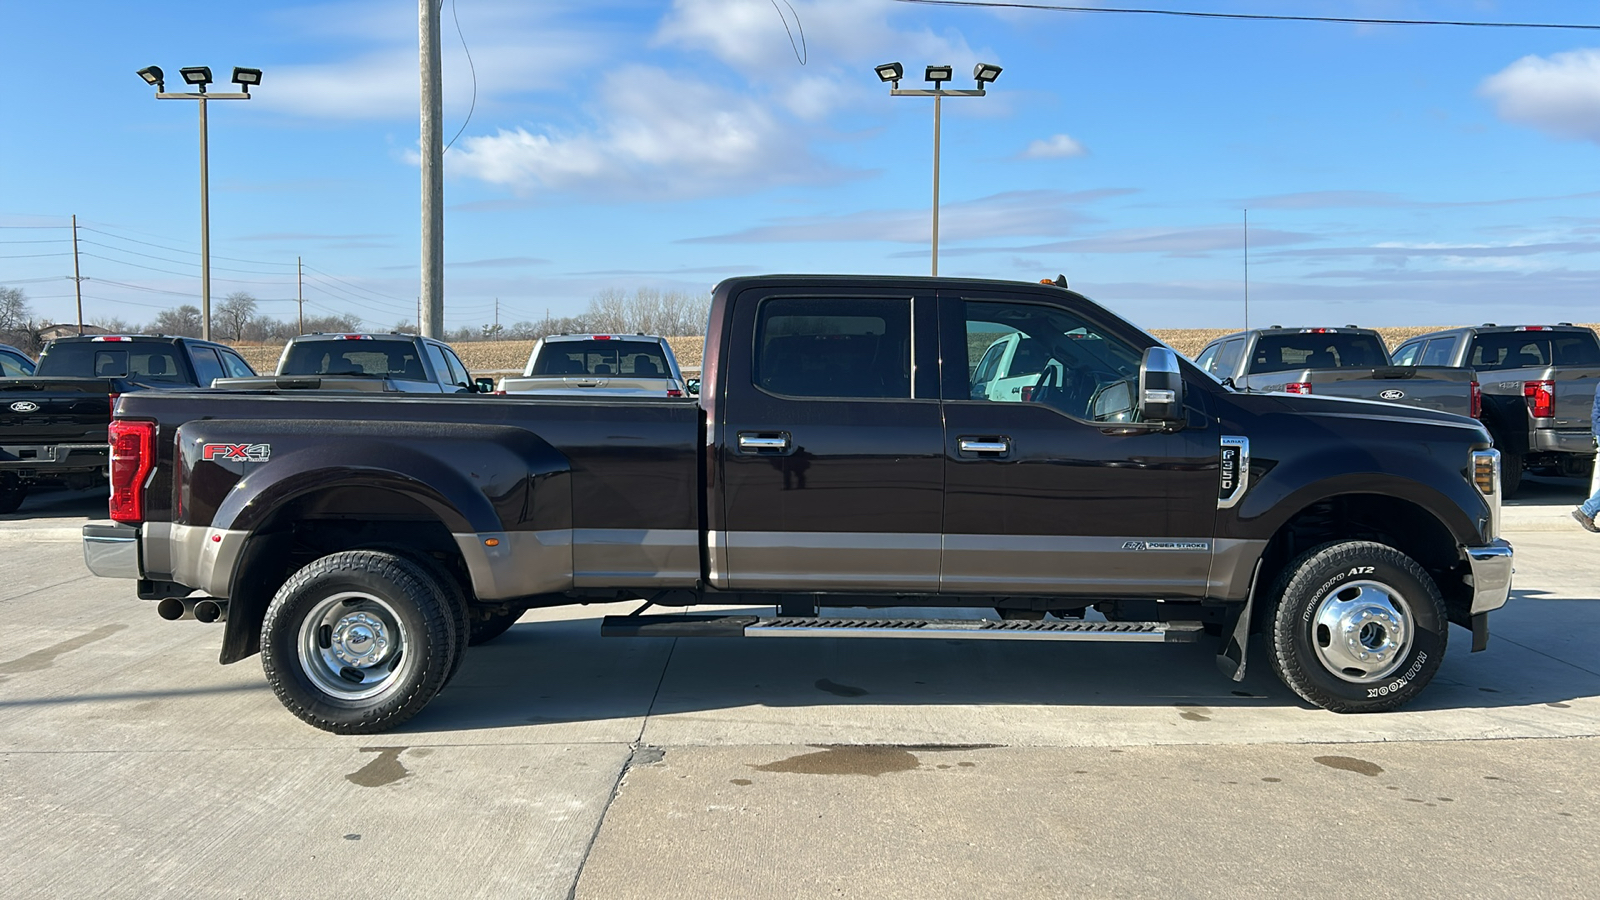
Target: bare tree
{"x": 235, "y": 313}
{"x": 116, "y": 325}
{"x": 181, "y": 322}
{"x": 17, "y": 326}
{"x": 649, "y": 310}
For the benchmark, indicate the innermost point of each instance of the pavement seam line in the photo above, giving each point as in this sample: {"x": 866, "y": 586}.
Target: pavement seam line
{"x": 622, "y": 774}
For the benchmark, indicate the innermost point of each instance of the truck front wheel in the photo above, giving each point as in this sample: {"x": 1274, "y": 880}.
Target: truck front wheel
{"x": 1358, "y": 627}
{"x": 358, "y": 642}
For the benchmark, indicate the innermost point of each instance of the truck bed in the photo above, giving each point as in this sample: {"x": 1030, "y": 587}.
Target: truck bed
{"x": 1442, "y": 388}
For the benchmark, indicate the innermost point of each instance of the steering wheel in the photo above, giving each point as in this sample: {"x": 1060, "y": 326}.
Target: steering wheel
{"x": 1044, "y": 385}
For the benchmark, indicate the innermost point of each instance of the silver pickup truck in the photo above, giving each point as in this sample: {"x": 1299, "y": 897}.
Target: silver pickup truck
{"x": 1337, "y": 362}
{"x": 392, "y": 362}
{"x": 1538, "y": 388}
{"x": 631, "y": 365}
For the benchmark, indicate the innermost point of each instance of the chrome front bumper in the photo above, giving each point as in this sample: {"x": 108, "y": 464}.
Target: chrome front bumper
{"x": 111, "y": 549}
{"x": 1491, "y": 575}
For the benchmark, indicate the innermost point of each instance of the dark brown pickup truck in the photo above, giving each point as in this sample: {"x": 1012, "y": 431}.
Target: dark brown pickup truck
{"x": 837, "y": 462}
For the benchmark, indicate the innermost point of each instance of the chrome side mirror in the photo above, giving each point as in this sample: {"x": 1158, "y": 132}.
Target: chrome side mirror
{"x": 1160, "y": 387}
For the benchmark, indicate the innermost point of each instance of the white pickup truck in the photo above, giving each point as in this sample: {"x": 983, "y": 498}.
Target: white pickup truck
{"x": 640, "y": 365}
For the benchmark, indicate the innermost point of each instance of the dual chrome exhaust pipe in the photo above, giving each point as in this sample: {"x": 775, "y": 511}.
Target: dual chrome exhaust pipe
{"x": 201, "y": 609}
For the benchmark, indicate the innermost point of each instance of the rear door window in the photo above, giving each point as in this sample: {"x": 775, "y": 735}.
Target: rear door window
{"x": 1439, "y": 352}
{"x": 834, "y": 347}
{"x": 207, "y": 368}
{"x": 235, "y": 364}
{"x": 1228, "y": 358}
{"x": 458, "y": 372}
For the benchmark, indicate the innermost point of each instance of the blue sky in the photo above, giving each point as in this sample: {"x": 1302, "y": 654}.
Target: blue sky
{"x": 1393, "y": 175}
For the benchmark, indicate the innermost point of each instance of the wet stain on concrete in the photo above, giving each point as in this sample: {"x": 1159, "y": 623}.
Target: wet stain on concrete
{"x": 1446, "y": 799}
{"x": 1492, "y": 778}
{"x": 1194, "y": 713}
{"x": 742, "y": 782}
{"x": 839, "y": 690}
{"x": 44, "y": 659}
{"x": 942, "y": 766}
{"x": 385, "y": 768}
{"x": 1351, "y": 764}
{"x": 1270, "y": 780}
{"x": 966, "y": 765}
{"x": 1559, "y": 705}
{"x": 846, "y": 759}
{"x": 352, "y": 837}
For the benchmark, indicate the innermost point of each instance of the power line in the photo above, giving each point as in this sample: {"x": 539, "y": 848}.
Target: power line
{"x": 1257, "y": 16}
{"x": 260, "y": 262}
{"x": 359, "y": 287}
{"x": 123, "y": 262}
{"x": 181, "y": 262}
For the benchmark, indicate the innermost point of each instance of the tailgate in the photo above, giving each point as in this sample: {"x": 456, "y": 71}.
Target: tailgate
{"x": 55, "y": 410}
{"x": 305, "y": 383}
{"x": 1441, "y": 388}
{"x": 1575, "y": 386}
{"x": 577, "y": 385}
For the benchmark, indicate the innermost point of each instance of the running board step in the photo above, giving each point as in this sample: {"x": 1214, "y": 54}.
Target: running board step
{"x": 944, "y": 629}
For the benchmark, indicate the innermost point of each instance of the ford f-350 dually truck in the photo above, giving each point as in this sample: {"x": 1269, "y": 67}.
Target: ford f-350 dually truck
{"x": 837, "y": 462}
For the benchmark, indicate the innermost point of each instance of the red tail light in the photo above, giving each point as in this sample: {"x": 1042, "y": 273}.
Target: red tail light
{"x": 1541, "y": 397}
{"x": 1475, "y": 406}
{"x": 1298, "y": 387}
{"x": 674, "y": 393}
{"x": 133, "y": 447}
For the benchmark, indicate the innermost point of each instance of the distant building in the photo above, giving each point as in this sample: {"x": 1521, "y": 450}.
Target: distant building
{"x": 51, "y": 332}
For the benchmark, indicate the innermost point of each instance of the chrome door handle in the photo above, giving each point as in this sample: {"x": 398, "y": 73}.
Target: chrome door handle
{"x": 756, "y": 443}
{"x": 974, "y": 445}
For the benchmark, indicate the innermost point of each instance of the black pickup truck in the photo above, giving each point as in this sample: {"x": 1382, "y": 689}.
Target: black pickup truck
{"x": 838, "y": 458}
{"x": 53, "y": 424}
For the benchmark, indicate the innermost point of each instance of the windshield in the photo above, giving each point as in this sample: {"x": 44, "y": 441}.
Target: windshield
{"x": 1282, "y": 352}
{"x": 378, "y": 359}
{"x": 645, "y": 359}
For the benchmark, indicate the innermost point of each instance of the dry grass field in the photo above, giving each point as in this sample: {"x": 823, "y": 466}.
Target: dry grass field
{"x": 493, "y": 357}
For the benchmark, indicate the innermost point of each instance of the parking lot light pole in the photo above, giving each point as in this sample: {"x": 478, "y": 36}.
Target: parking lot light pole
{"x": 983, "y": 73}
{"x": 199, "y": 77}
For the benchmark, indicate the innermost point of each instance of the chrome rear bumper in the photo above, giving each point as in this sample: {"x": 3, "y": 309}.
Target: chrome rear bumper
{"x": 111, "y": 549}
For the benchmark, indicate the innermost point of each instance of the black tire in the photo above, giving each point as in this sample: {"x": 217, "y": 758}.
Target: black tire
{"x": 383, "y": 620}
{"x": 453, "y": 592}
{"x": 1387, "y": 607}
{"x": 12, "y": 493}
{"x": 485, "y": 629}
{"x": 1510, "y": 473}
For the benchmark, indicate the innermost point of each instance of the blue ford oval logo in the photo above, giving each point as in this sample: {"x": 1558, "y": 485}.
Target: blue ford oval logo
{"x": 1391, "y": 394}
{"x": 24, "y": 406}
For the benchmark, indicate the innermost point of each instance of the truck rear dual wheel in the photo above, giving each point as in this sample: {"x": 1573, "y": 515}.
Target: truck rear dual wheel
{"x": 360, "y": 641}
{"x": 1358, "y": 626}
{"x": 12, "y": 493}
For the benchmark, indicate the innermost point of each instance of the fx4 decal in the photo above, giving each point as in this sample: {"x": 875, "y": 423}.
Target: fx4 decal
{"x": 237, "y": 452}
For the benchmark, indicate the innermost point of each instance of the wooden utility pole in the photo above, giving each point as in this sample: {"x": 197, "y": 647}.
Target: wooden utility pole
{"x": 77, "y": 277}
{"x": 300, "y": 291}
{"x": 431, "y": 317}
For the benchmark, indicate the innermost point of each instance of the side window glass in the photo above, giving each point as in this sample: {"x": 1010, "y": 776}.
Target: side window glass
{"x": 458, "y": 372}
{"x": 1228, "y": 358}
{"x": 236, "y": 366}
{"x": 1576, "y": 350}
{"x": 1438, "y": 352}
{"x": 206, "y": 366}
{"x": 834, "y": 347}
{"x": 1059, "y": 359}
{"x": 1406, "y": 355}
{"x": 990, "y": 361}
{"x": 1207, "y": 357}
{"x": 14, "y": 366}
{"x": 441, "y": 369}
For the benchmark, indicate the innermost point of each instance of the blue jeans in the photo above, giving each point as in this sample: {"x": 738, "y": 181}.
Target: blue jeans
{"x": 1591, "y": 506}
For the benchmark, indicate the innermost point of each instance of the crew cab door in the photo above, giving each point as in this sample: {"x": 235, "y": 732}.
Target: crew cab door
{"x": 829, "y": 448}
{"x": 1043, "y": 498}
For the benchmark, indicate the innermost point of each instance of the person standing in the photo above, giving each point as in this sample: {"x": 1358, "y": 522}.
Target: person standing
{"x": 1586, "y": 512}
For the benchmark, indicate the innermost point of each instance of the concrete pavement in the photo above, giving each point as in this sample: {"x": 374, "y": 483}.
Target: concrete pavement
{"x": 558, "y": 764}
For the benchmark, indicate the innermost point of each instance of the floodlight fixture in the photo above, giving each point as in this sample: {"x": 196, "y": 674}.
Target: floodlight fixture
{"x": 985, "y": 73}
{"x": 245, "y": 78}
{"x": 938, "y": 74}
{"x": 200, "y": 76}
{"x": 891, "y": 72}
{"x": 154, "y": 75}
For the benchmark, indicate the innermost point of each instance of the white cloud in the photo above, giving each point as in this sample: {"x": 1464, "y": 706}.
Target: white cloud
{"x": 658, "y": 135}
{"x": 1060, "y": 146}
{"x": 516, "y": 49}
{"x": 1559, "y": 95}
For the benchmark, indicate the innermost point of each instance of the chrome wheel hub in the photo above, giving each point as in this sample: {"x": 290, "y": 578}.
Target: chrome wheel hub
{"x": 1362, "y": 631}
{"x": 351, "y": 645}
